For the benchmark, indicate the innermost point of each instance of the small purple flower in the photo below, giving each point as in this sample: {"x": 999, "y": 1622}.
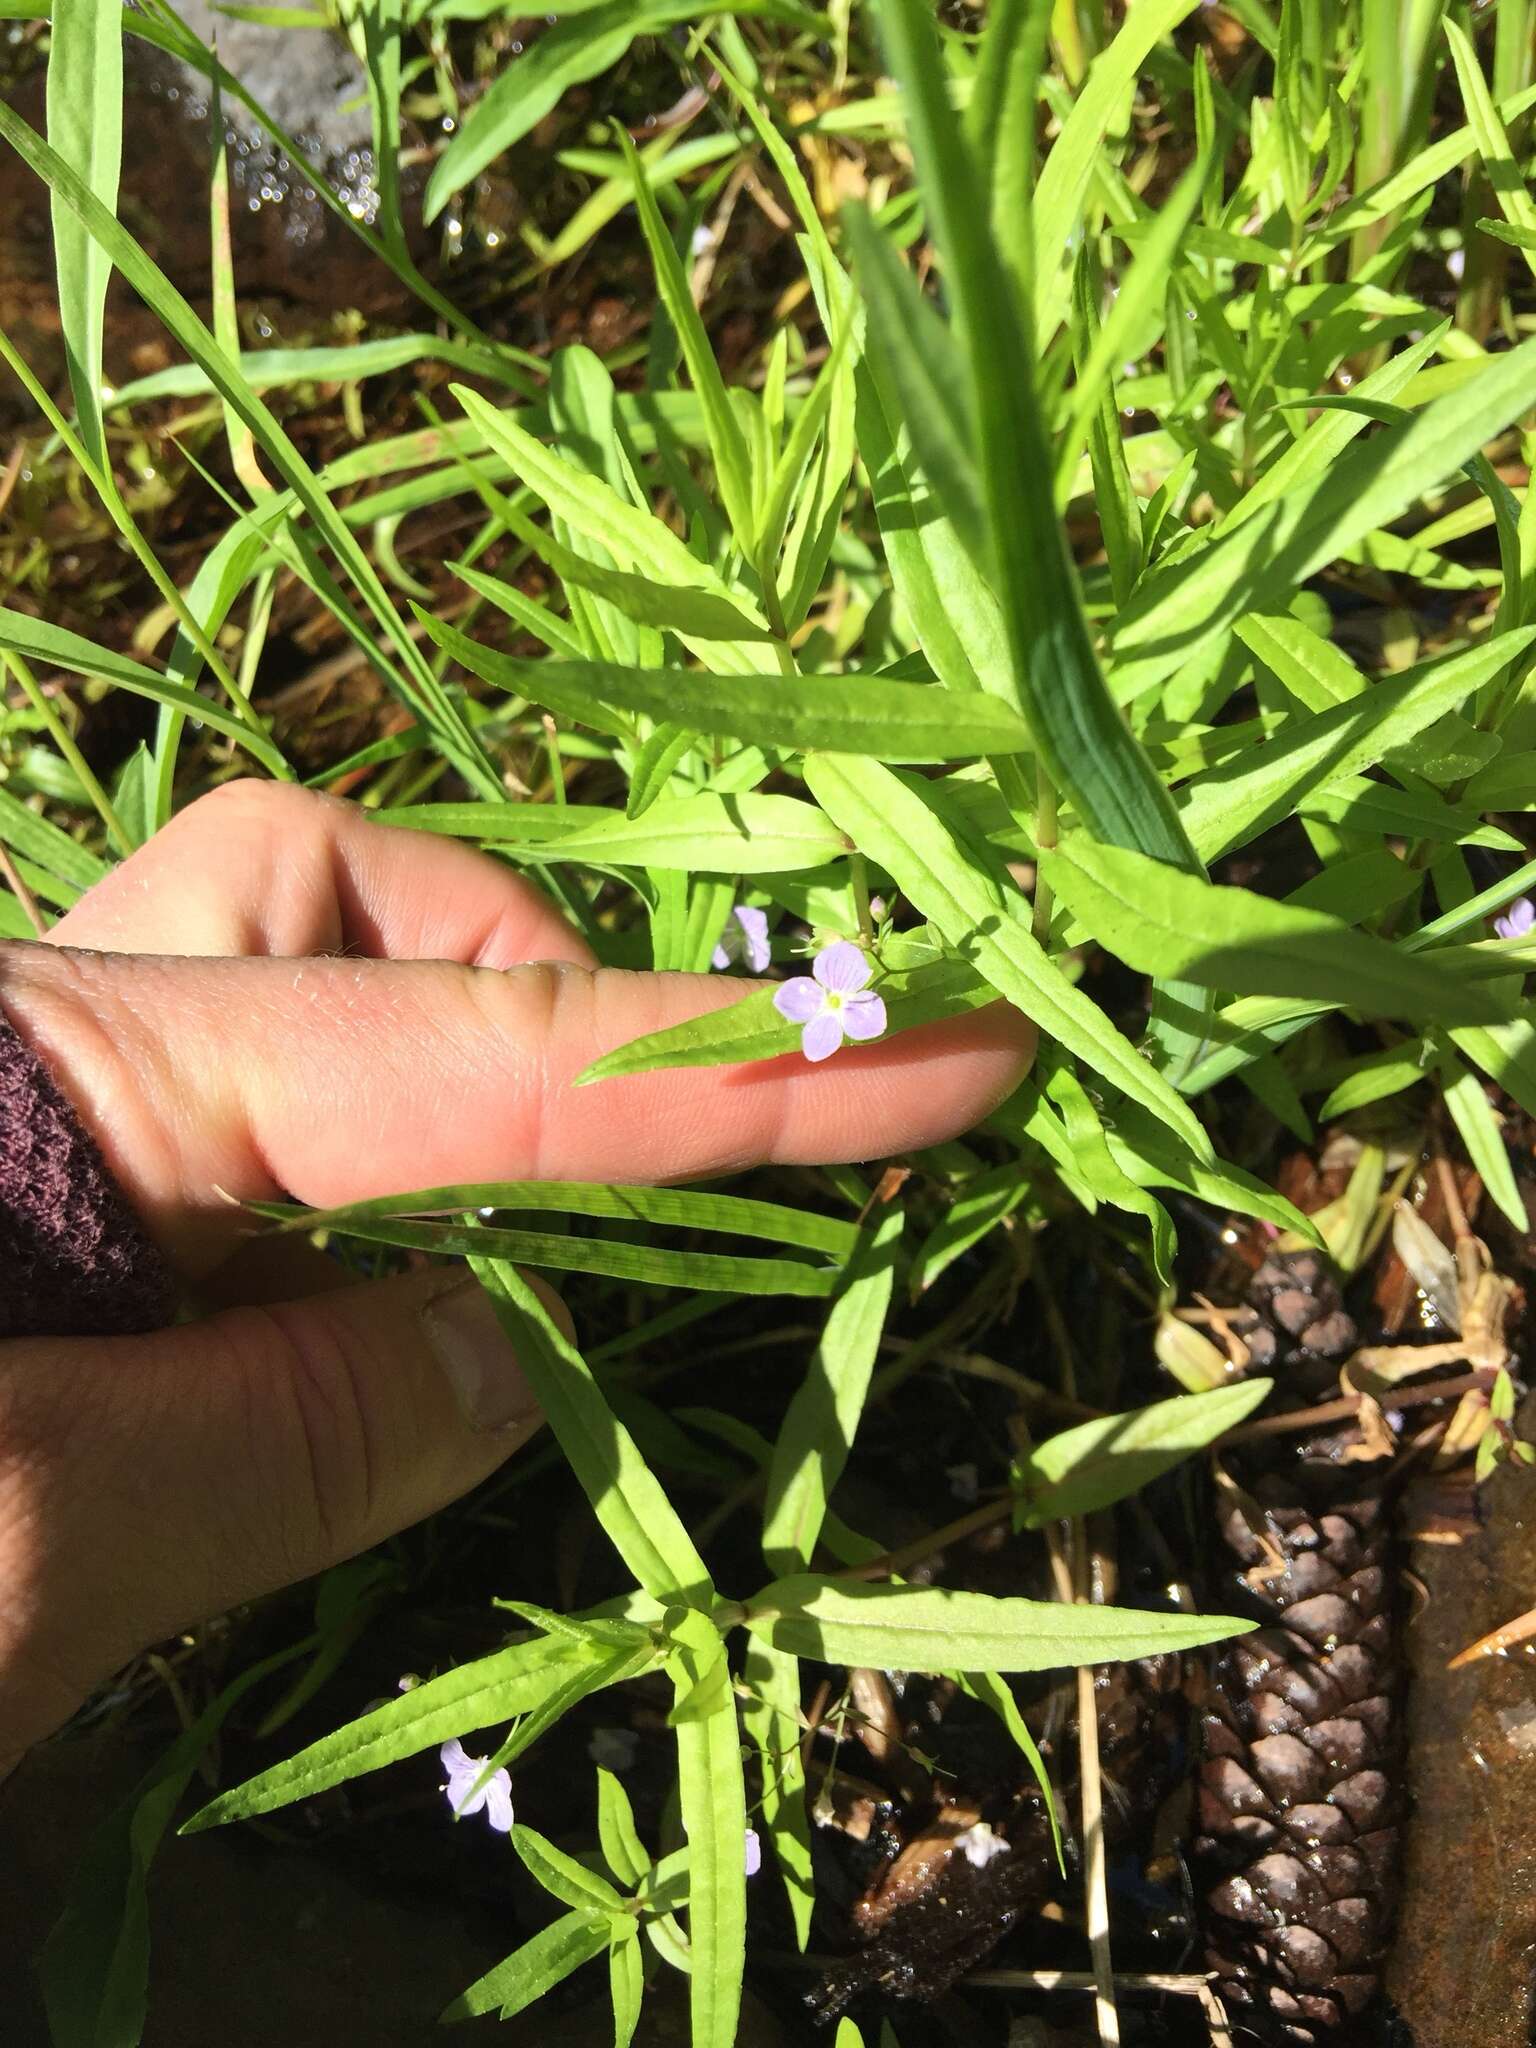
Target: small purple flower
{"x": 1517, "y": 920}
{"x": 754, "y": 1853}
{"x": 837, "y": 1001}
{"x": 745, "y": 938}
{"x": 495, "y": 1795}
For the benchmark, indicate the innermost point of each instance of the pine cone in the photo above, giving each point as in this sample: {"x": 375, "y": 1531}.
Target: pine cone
{"x": 1296, "y": 1323}
{"x": 1299, "y": 1800}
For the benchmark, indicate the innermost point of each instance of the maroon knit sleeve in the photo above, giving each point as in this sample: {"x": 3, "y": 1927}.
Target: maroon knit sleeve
{"x": 74, "y": 1259}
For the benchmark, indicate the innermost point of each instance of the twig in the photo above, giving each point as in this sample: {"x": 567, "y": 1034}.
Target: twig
{"x": 1183, "y": 1984}
{"x": 1347, "y": 1404}
{"x": 937, "y": 1539}
{"x": 11, "y": 472}
{"x": 23, "y": 894}
{"x": 1066, "y": 1576}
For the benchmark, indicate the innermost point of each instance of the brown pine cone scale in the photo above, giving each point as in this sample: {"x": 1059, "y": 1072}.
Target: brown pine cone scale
{"x": 1298, "y": 1802}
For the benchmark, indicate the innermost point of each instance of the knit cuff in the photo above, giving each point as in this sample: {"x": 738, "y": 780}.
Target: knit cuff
{"x": 74, "y": 1259}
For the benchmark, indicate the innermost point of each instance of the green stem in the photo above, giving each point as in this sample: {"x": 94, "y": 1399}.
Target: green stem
{"x": 859, "y": 871}
{"x": 1045, "y": 841}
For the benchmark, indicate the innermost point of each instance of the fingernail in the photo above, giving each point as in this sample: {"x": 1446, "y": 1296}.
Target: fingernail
{"x": 477, "y": 1356}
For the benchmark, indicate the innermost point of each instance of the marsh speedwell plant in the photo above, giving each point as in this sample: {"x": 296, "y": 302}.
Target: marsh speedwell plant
{"x": 845, "y": 716}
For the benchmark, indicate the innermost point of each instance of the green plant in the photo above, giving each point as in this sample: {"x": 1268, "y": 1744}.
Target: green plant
{"x": 851, "y": 583}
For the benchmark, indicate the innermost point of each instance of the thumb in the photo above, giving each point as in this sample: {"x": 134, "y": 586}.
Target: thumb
{"x": 149, "y": 1482}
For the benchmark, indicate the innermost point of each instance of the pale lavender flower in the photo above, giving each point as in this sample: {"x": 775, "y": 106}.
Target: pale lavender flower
{"x": 980, "y": 1846}
{"x": 495, "y": 1795}
{"x": 1517, "y": 920}
{"x": 745, "y": 938}
{"x": 832, "y": 1000}
{"x": 754, "y": 1853}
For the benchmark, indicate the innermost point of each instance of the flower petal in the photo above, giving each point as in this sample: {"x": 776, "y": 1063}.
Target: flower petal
{"x": 798, "y": 1000}
{"x": 453, "y": 1758}
{"x": 754, "y": 1853}
{"x": 823, "y": 1035}
{"x": 754, "y": 929}
{"x": 864, "y": 1015}
{"x": 1517, "y": 919}
{"x": 842, "y": 966}
{"x": 497, "y": 1801}
{"x": 720, "y": 957}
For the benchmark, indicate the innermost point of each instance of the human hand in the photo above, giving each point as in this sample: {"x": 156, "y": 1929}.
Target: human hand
{"x": 277, "y": 996}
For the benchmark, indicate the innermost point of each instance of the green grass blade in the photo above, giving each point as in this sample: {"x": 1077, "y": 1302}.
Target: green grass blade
{"x": 85, "y": 126}
{"x": 37, "y": 641}
{"x": 425, "y": 698}
{"x": 727, "y": 443}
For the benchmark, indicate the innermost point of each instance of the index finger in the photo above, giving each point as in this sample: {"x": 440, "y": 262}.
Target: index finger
{"x": 339, "y": 1080}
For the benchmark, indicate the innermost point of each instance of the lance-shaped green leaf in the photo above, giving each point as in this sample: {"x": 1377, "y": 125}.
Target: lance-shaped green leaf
{"x": 589, "y": 40}
{"x": 712, "y": 1798}
{"x": 493, "y": 1688}
{"x": 623, "y": 1850}
{"x": 572, "y": 1883}
{"x": 670, "y": 1208}
{"x": 716, "y": 835}
{"x": 753, "y": 1029}
{"x": 772, "y": 1719}
{"x": 1084, "y": 744}
{"x": 1068, "y": 170}
{"x": 693, "y": 614}
{"x": 919, "y": 361}
{"x": 1081, "y": 1470}
{"x": 649, "y": 1265}
{"x": 983, "y": 1203}
{"x": 892, "y": 819}
{"x": 1183, "y": 609}
{"x": 537, "y": 1967}
{"x": 1163, "y": 922}
{"x": 933, "y": 1628}
{"x": 626, "y": 1497}
{"x": 854, "y": 714}
{"x": 1229, "y": 805}
{"x": 823, "y": 1416}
